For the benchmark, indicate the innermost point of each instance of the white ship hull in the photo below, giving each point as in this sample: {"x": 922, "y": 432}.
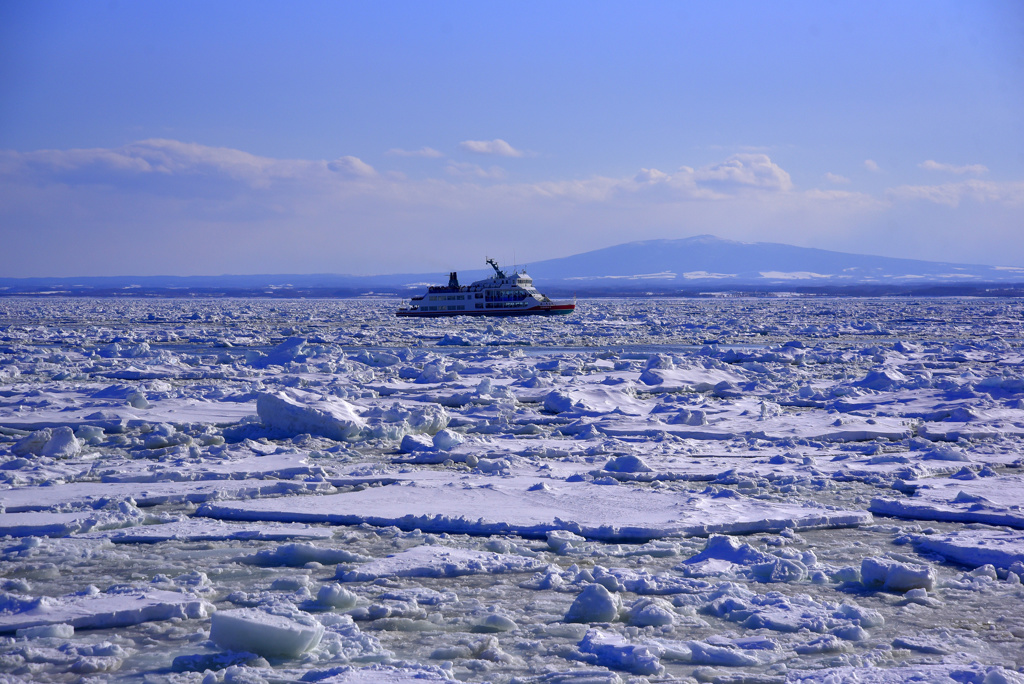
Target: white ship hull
{"x": 500, "y": 295}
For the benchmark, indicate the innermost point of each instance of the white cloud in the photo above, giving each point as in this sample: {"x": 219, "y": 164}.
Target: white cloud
{"x": 745, "y": 171}
{"x": 972, "y": 169}
{"x": 161, "y": 167}
{"x": 353, "y": 167}
{"x": 156, "y": 159}
{"x": 836, "y": 178}
{"x": 651, "y": 176}
{"x": 871, "y": 165}
{"x": 428, "y": 152}
{"x": 496, "y": 147}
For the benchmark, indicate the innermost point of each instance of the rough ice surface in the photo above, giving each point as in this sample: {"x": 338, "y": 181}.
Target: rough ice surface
{"x": 892, "y": 575}
{"x": 713, "y": 490}
{"x": 440, "y": 561}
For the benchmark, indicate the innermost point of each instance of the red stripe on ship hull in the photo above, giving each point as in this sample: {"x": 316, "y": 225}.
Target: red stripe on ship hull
{"x": 554, "y": 310}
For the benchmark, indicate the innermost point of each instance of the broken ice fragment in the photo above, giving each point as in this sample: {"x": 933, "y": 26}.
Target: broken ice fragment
{"x": 296, "y": 412}
{"x": 594, "y": 604}
{"x": 265, "y": 634}
{"x": 891, "y": 575}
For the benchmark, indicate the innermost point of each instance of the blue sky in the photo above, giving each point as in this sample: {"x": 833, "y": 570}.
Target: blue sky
{"x": 265, "y": 137}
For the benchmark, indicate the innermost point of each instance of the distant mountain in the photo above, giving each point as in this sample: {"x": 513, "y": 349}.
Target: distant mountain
{"x": 701, "y": 263}
{"x": 706, "y": 259}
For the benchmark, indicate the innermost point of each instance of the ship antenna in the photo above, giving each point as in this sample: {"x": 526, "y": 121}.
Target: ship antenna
{"x": 494, "y": 265}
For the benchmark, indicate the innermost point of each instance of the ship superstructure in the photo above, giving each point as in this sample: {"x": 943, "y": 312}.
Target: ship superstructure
{"x": 502, "y": 294}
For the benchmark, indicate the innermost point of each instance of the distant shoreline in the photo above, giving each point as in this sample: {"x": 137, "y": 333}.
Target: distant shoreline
{"x": 1001, "y": 290}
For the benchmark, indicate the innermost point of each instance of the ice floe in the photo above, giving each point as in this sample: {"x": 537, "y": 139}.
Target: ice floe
{"x": 265, "y": 633}
{"x": 592, "y": 510}
{"x": 95, "y": 610}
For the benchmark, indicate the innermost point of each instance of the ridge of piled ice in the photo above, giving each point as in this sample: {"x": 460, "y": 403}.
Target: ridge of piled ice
{"x": 439, "y": 561}
{"x": 611, "y": 650}
{"x": 728, "y": 556}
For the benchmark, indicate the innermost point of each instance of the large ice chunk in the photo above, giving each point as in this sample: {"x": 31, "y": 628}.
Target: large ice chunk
{"x": 891, "y": 575}
{"x": 292, "y": 349}
{"x": 594, "y": 401}
{"x": 612, "y": 651}
{"x": 296, "y": 412}
{"x": 594, "y": 604}
{"x": 264, "y": 633}
{"x": 59, "y": 442}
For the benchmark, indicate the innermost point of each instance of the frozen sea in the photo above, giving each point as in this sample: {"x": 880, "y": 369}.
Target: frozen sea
{"x": 719, "y": 490}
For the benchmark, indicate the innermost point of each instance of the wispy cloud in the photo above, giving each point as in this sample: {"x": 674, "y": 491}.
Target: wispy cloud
{"x": 428, "y": 152}
{"x": 836, "y": 178}
{"x": 497, "y": 147}
{"x": 468, "y": 170}
{"x": 952, "y": 194}
{"x": 169, "y": 167}
{"x": 972, "y": 169}
{"x": 352, "y": 167}
{"x": 871, "y": 165}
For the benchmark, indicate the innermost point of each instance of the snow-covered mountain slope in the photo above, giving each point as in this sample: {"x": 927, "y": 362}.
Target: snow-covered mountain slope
{"x": 708, "y": 259}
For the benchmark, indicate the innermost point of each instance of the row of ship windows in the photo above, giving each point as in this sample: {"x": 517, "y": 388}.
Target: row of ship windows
{"x": 443, "y": 298}
{"x": 491, "y": 294}
{"x": 462, "y": 307}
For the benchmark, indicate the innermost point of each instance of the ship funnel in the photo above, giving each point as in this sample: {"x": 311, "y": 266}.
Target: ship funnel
{"x": 453, "y": 280}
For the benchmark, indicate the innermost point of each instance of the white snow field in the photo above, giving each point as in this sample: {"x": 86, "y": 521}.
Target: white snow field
{"x": 705, "y": 490}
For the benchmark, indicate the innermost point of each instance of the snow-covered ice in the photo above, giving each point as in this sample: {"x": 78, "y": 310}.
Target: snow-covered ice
{"x": 720, "y": 490}
{"x": 98, "y": 610}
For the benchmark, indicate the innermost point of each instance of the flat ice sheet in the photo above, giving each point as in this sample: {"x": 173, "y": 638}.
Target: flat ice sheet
{"x": 106, "y": 610}
{"x": 62, "y": 524}
{"x": 88, "y": 494}
{"x": 974, "y": 548}
{"x": 201, "y": 529}
{"x": 997, "y": 500}
{"x": 161, "y": 411}
{"x": 533, "y": 507}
